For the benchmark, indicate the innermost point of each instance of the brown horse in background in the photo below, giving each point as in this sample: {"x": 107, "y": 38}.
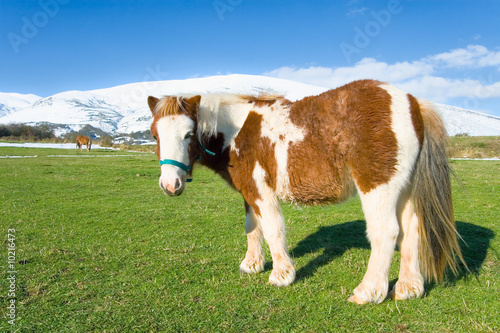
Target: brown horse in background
{"x": 83, "y": 140}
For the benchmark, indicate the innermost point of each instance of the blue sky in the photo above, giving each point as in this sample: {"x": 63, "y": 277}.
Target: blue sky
{"x": 447, "y": 51}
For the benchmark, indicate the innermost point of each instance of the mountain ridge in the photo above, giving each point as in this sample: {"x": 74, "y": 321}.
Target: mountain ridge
{"x": 123, "y": 109}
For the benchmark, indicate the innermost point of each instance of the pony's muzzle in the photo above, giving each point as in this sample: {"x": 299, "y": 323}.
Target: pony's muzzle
{"x": 173, "y": 188}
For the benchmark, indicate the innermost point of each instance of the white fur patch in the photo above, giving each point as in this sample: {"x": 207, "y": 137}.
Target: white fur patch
{"x": 279, "y": 129}
{"x": 222, "y": 113}
{"x": 402, "y": 126}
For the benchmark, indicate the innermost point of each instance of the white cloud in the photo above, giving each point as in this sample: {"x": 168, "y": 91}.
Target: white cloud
{"x": 370, "y": 68}
{"x": 474, "y": 56}
{"x": 421, "y": 78}
{"x": 366, "y": 68}
{"x": 441, "y": 89}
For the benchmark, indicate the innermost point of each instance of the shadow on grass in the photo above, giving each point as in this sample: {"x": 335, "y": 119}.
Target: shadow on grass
{"x": 336, "y": 239}
{"x": 474, "y": 246}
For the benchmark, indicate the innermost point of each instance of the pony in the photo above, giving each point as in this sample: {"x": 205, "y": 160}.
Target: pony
{"x": 83, "y": 140}
{"x": 367, "y": 137}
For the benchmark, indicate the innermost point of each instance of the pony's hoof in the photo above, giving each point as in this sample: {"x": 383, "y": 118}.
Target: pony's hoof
{"x": 282, "y": 277}
{"x": 363, "y": 295}
{"x": 407, "y": 290}
{"x": 357, "y": 300}
{"x": 252, "y": 266}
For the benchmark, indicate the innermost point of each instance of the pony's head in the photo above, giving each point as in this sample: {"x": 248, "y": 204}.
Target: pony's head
{"x": 174, "y": 128}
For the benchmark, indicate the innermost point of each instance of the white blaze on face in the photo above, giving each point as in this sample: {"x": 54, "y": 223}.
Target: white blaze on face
{"x": 174, "y": 137}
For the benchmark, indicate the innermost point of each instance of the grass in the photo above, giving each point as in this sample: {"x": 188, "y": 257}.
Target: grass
{"x": 475, "y": 146}
{"x": 101, "y": 249}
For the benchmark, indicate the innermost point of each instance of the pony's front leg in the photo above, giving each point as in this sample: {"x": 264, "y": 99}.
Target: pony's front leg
{"x": 273, "y": 228}
{"x": 266, "y": 211}
{"x": 254, "y": 259}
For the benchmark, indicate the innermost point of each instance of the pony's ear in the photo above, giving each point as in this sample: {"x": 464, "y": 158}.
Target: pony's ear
{"x": 152, "y": 101}
{"x": 192, "y": 104}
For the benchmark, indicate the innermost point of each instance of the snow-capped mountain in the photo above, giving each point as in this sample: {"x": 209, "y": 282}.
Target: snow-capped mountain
{"x": 11, "y": 102}
{"x": 462, "y": 121}
{"x": 123, "y": 109}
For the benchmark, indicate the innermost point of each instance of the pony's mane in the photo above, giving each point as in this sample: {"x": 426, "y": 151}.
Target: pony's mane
{"x": 262, "y": 98}
{"x": 168, "y": 106}
{"x": 212, "y": 104}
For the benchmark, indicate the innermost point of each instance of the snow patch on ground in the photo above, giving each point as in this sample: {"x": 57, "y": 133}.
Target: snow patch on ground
{"x": 48, "y": 145}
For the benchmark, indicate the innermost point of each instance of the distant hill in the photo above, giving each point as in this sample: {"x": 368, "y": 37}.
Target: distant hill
{"x": 123, "y": 109}
{"x": 12, "y": 102}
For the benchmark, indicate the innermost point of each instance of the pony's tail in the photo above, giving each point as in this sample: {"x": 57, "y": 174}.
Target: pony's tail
{"x": 431, "y": 194}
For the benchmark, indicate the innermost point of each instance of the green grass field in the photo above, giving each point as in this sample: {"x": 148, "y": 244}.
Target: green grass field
{"x": 99, "y": 248}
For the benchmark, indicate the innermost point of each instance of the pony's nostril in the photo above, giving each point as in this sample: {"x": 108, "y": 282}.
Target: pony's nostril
{"x": 163, "y": 187}
{"x": 170, "y": 189}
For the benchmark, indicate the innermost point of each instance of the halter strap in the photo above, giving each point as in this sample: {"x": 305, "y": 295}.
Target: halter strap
{"x": 211, "y": 153}
{"x": 183, "y": 166}
{"x": 179, "y": 165}
{"x": 176, "y": 163}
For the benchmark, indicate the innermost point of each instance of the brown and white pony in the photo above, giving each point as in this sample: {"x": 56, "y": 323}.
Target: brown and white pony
{"x": 83, "y": 140}
{"x": 367, "y": 137}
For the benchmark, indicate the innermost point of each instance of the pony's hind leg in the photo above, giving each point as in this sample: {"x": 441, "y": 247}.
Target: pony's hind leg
{"x": 254, "y": 259}
{"x": 411, "y": 282}
{"x": 379, "y": 207}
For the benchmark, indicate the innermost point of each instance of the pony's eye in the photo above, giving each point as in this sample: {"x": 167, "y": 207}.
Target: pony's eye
{"x": 188, "y": 135}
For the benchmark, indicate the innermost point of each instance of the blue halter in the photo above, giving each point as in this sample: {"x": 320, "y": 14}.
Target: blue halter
{"x": 176, "y": 163}
{"x": 179, "y": 165}
{"x": 211, "y": 153}
{"x": 183, "y": 166}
